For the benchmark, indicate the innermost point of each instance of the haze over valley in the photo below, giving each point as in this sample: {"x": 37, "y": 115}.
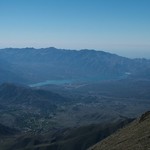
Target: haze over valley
{"x": 74, "y": 75}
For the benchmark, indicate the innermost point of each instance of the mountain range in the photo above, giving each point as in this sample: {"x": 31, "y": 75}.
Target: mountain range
{"x": 29, "y": 65}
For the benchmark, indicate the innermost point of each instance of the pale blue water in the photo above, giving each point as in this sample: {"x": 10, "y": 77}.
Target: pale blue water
{"x": 80, "y": 80}
{"x": 56, "y": 82}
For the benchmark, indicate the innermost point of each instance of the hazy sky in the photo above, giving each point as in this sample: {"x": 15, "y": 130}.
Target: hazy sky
{"x": 118, "y": 26}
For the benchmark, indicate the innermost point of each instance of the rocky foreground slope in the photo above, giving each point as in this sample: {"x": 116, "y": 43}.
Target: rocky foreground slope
{"x": 136, "y": 136}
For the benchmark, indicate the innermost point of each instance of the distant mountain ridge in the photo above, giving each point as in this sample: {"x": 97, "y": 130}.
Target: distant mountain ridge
{"x": 29, "y": 65}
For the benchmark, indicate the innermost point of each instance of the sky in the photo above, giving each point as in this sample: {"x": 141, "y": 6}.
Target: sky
{"x": 116, "y": 26}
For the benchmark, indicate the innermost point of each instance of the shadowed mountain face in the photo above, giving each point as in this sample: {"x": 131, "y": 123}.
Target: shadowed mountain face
{"x": 134, "y": 136}
{"x": 37, "y": 65}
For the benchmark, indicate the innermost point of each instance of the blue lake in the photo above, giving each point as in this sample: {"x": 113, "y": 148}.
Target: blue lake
{"x": 56, "y": 82}
{"x": 71, "y": 81}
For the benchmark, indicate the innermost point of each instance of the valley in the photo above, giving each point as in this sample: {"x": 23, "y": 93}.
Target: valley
{"x": 68, "y": 112}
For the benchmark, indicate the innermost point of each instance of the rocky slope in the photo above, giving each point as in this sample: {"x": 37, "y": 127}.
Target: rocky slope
{"x": 135, "y": 136}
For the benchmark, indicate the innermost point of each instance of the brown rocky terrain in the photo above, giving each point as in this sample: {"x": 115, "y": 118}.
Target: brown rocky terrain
{"x": 136, "y": 136}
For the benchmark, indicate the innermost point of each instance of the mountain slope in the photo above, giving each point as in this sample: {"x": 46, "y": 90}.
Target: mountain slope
{"x": 135, "y": 136}
{"x": 6, "y": 131}
{"x": 15, "y": 94}
{"x": 26, "y": 109}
